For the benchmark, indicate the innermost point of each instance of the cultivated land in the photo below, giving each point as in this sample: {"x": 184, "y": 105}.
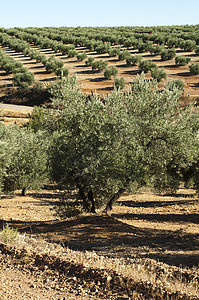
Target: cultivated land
{"x": 95, "y": 81}
{"x": 151, "y": 240}
{"x": 148, "y": 248}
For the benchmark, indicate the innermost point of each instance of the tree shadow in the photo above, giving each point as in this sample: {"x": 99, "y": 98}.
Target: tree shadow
{"x": 183, "y": 74}
{"x": 47, "y": 79}
{"x": 6, "y": 85}
{"x": 114, "y": 60}
{"x": 108, "y": 236}
{"x": 146, "y": 204}
{"x": 132, "y": 72}
{"x": 85, "y": 72}
{"x": 98, "y": 79}
{"x": 171, "y": 66}
{"x": 37, "y": 67}
{"x": 108, "y": 88}
{"x": 17, "y": 55}
{"x": 183, "y": 218}
{"x": 26, "y": 59}
{"x": 30, "y": 63}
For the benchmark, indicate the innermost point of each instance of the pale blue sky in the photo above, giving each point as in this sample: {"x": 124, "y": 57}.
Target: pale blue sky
{"x": 40, "y": 13}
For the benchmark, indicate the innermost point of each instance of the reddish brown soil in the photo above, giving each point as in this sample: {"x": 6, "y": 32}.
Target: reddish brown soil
{"x": 95, "y": 82}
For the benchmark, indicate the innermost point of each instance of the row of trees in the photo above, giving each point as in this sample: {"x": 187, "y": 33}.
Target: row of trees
{"x": 51, "y": 64}
{"x": 100, "y": 47}
{"x": 101, "y": 43}
{"x": 21, "y": 76}
{"x": 103, "y": 147}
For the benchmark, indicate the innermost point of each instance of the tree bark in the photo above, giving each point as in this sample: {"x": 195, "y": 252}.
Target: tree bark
{"x": 23, "y": 192}
{"x": 82, "y": 195}
{"x": 91, "y": 199}
{"x": 115, "y": 197}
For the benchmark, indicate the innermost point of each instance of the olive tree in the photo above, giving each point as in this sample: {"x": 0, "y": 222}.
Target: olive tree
{"x": 26, "y": 167}
{"x": 102, "y": 146}
{"x": 4, "y": 156}
{"x": 194, "y": 68}
{"x": 158, "y": 74}
{"x": 182, "y": 60}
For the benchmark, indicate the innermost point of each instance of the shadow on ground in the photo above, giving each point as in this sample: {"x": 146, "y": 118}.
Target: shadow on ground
{"x": 108, "y": 236}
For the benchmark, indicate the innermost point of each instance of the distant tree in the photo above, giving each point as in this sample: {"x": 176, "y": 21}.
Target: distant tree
{"x": 119, "y": 83}
{"x": 172, "y": 84}
{"x": 125, "y": 54}
{"x": 168, "y": 54}
{"x": 156, "y": 50}
{"x": 72, "y": 53}
{"x": 114, "y": 51}
{"x": 194, "y": 68}
{"x": 182, "y": 60}
{"x": 109, "y": 72}
{"x": 197, "y": 50}
{"x": 188, "y": 45}
{"x": 62, "y": 72}
{"x": 81, "y": 56}
{"x": 158, "y": 74}
{"x": 89, "y": 61}
{"x": 99, "y": 65}
{"x": 146, "y": 66}
{"x": 133, "y": 60}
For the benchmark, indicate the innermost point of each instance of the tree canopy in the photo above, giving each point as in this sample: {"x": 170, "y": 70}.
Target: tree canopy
{"x": 103, "y": 146}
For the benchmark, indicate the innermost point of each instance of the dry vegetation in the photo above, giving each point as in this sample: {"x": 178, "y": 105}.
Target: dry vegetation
{"x": 147, "y": 249}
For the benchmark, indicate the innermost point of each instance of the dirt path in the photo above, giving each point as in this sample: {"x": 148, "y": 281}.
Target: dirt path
{"x": 16, "y": 107}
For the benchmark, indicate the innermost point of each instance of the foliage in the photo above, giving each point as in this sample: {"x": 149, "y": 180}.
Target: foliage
{"x": 119, "y": 83}
{"x": 144, "y": 46}
{"x": 194, "y": 69}
{"x": 109, "y": 72}
{"x": 36, "y": 119}
{"x": 156, "y": 50}
{"x": 125, "y": 54}
{"x": 182, "y": 60}
{"x": 62, "y": 72}
{"x": 102, "y": 48}
{"x": 188, "y": 45}
{"x": 197, "y": 50}
{"x": 114, "y": 51}
{"x": 72, "y": 53}
{"x": 52, "y": 64}
{"x": 146, "y": 66}
{"x": 168, "y": 54}
{"x": 133, "y": 60}
{"x": 99, "y": 65}
{"x": 23, "y": 79}
{"x": 103, "y": 146}
{"x": 26, "y": 166}
{"x": 81, "y": 56}
{"x": 158, "y": 74}
{"x": 172, "y": 84}
{"x": 89, "y": 61}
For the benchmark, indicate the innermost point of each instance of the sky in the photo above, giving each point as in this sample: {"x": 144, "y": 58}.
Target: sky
{"x": 73, "y": 13}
